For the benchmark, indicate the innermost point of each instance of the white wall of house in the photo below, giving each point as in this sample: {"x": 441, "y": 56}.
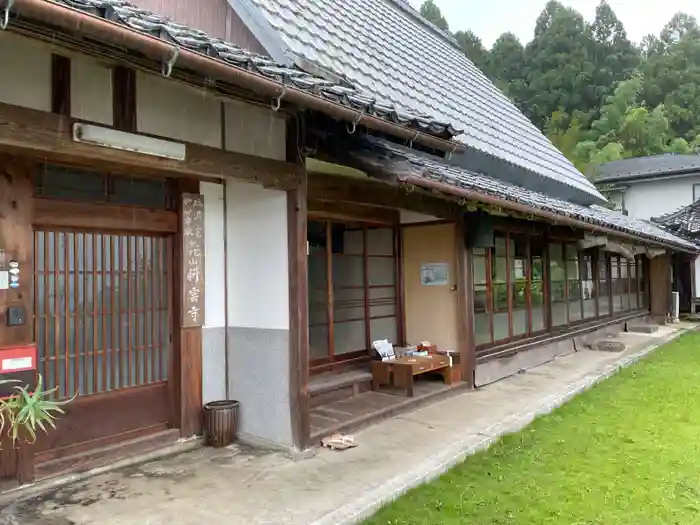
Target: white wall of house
{"x": 26, "y": 77}
{"x": 258, "y": 305}
{"x": 652, "y": 198}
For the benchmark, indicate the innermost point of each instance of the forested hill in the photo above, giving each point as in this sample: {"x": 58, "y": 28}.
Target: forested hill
{"x": 598, "y": 96}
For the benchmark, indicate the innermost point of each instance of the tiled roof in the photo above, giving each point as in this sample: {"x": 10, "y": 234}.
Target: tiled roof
{"x": 192, "y": 39}
{"x": 403, "y": 161}
{"x": 685, "y": 220}
{"x": 640, "y": 167}
{"x": 387, "y": 48}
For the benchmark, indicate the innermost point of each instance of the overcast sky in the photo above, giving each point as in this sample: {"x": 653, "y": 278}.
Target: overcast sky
{"x": 488, "y": 19}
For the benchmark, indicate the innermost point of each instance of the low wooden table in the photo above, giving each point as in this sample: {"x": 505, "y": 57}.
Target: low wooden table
{"x": 399, "y": 372}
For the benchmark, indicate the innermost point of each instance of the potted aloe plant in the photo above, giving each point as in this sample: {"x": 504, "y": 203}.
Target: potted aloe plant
{"x": 23, "y": 414}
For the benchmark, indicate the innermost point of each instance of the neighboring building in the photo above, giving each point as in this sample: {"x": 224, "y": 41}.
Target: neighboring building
{"x": 655, "y": 186}
{"x": 193, "y": 221}
{"x": 646, "y": 187}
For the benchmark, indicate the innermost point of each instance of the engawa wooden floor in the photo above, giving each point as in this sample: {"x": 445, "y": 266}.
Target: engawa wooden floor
{"x": 353, "y": 412}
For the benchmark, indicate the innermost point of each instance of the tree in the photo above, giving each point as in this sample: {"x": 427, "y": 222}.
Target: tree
{"x": 473, "y": 47}
{"x": 506, "y": 65}
{"x": 432, "y": 13}
{"x": 560, "y": 71}
{"x": 612, "y": 53}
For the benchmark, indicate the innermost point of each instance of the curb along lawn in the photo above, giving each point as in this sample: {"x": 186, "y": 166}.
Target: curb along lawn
{"x": 625, "y": 452}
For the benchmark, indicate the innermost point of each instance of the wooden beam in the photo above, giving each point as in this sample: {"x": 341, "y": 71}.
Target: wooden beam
{"x": 368, "y": 192}
{"x": 64, "y": 214}
{"x": 49, "y": 137}
{"x": 297, "y": 212}
{"x": 346, "y": 211}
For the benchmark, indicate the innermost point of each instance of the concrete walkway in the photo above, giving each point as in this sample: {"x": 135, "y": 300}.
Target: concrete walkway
{"x": 244, "y": 486}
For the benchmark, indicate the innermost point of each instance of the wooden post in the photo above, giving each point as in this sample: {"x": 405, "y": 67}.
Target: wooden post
{"x": 17, "y": 243}
{"x": 465, "y": 306}
{"x": 186, "y": 379}
{"x": 659, "y": 287}
{"x": 297, "y": 211}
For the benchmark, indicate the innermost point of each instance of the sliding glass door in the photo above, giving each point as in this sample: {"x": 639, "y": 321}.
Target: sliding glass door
{"x": 352, "y": 290}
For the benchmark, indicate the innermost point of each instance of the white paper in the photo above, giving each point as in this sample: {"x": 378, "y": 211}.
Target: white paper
{"x": 4, "y": 279}
{"x": 16, "y": 363}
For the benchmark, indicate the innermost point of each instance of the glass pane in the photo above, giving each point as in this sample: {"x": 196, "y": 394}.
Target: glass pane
{"x": 385, "y": 328}
{"x": 500, "y": 270}
{"x": 589, "y": 310}
{"x": 480, "y": 299}
{"x": 519, "y": 294}
{"x": 482, "y": 329}
{"x": 347, "y": 241}
{"x": 500, "y": 245}
{"x": 71, "y": 183}
{"x": 538, "y": 318}
{"x": 348, "y": 304}
{"x": 500, "y": 326}
{"x": 500, "y": 297}
{"x": 348, "y": 271}
{"x": 479, "y": 264}
{"x": 559, "y": 315}
{"x": 150, "y": 193}
{"x": 381, "y": 271}
{"x": 318, "y": 342}
{"x": 380, "y": 241}
{"x": 520, "y": 322}
{"x": 349, "y": 337}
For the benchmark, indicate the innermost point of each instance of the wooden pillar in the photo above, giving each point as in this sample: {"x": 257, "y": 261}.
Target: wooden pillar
{"x": 465, "y": 306}
{"x": 17, "y": 243}
{"x": 186, "y": 377}
{"x": 297, "y": 212}
{"x": 659, "y": 287}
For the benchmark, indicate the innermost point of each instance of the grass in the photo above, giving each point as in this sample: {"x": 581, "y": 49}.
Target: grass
{"x": 625, "y": 452}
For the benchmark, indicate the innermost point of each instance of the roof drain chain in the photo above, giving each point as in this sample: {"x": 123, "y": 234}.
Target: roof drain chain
{"x": 353, "y": 127}
{"x": 277, "y": 102}
{"x": 449, "y": 153}
{"x": 5, "y": 20}
{"x": 410, "y": 142}
{"x": 167, "y": 67}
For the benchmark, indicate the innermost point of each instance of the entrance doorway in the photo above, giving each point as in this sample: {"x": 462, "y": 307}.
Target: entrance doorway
{"x": 353, "y": 291}
{"x": 103, "y": 307}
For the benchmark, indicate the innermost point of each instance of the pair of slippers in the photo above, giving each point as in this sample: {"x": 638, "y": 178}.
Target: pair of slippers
{"x": 338, "y": 442}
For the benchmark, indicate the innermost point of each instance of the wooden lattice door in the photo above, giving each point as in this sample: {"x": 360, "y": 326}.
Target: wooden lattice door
{"x": 102, "y": 310}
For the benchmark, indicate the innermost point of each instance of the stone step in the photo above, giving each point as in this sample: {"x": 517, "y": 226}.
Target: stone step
{"x": 643, "y": 328}
{"x": 608, "y": 345}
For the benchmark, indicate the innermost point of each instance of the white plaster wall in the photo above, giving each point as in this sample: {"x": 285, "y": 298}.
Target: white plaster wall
{"x": 653, "y": 198}
{"x": 258, "y": 280}
{"x": 26, "y": 72}
{"x": 412, "y": 217}
{"x": 255, "y": 130}
{"x": 91, "y": 90}
{"x": 214, "y": 257}
{"x": 169, "y": 109}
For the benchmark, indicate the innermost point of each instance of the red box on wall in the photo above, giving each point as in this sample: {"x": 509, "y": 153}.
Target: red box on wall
{"x": 18, "y": 363}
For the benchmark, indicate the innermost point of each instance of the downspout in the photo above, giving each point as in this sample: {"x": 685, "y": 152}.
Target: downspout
{"x": 225, "y": 207}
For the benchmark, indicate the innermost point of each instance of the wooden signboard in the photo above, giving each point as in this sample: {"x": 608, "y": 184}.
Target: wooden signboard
{"x": 193, "y": 260}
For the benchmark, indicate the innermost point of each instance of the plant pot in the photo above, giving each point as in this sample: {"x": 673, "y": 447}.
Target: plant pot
{"x": 220, "y": 423}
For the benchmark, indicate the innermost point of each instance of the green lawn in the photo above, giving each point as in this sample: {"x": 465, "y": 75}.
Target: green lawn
{"x": 625, "y": 452}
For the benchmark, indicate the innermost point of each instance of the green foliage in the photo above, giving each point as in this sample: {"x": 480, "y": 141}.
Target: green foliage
{"x": 597, "y": 96}
{"x": 432, "y": 13}
{"x": 24, "y": 413}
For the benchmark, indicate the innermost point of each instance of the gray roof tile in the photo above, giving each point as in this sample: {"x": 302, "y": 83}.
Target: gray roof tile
{"x": 641, "y": 167}
{"x": 195, "y": 40}
{"x": 402, "y": 161}
{"x": 387, "y": 49}
{"x": 685, "y": 220}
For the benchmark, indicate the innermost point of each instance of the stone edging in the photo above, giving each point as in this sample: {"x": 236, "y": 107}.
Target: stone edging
{"x": 365, "y": 506}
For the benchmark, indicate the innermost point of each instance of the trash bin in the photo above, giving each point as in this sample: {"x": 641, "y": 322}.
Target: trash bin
{"x": 220, "y": 423}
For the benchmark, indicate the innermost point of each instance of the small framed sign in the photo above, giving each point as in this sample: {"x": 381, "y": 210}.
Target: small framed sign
{"x": 434, "y": 274}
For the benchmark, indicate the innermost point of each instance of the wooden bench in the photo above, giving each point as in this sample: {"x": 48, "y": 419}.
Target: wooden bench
{"x": 400, "y": 372}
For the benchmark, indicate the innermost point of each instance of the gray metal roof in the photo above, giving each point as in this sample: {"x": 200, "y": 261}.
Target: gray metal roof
{"x": 685, "y": 220}
{"x": 145, "y": 21}
{"x": 387, "y": 49}
{"x": 402, "y": 161}
{"x": 644, "y": 167}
